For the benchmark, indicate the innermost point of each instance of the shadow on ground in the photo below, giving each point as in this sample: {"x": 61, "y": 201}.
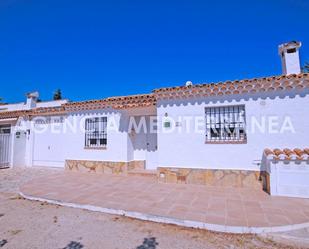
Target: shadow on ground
{"x": 3, "y": 242}
{"x": 74, "y": 245}
{"x": 149, "y": 243}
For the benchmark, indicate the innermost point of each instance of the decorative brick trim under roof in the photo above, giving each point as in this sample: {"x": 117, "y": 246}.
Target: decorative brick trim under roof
{"x": 48, "y": 111}
{"x": 122, "y": 102}
{"x": 287, "y": 154}
{"x": 14, "y": 114}
{"x": 33, "y": 112}
{"x": 251, "y": 86}
{"x": 274, "y": 83}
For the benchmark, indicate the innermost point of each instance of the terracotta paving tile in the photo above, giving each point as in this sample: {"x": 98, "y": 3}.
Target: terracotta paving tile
{"x": 270, "y": 204}
{"x": 213, "y": 206}
{"x": 195, "y": 216}
{"x": 278, "y": 219}
{"x": 250, "y": 210}
{"x": 176, "y": 214}
{"x": 199, "y": 207}
{"x": 251, "y": 204}
{"x": 217, "y": 205}
{"x": 158, "y": 211}
{"x": 236, "y": 221}
{"x": 273, "y": 211}
{"x": 133, "y": 207}
{"x": 216, "y": 212}
{"x": 200, "y": 201}
{"x": 306, "y": 213}
{"x": 295, "y": 218}
{"x": 235, "y": 214}
{"x": 112, "y": 205}
{"x": 215, "y": 219}
{"x": 180, "y": 208}
{"x": 258, "y": 223}
{"x": 215, "y": 201}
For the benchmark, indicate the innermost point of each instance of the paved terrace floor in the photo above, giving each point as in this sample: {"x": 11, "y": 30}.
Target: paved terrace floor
{"x": 215, "y": 208}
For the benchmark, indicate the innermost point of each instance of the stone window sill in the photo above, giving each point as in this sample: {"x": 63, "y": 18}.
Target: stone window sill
{"x": 95, "y": 148}
{"x": 226, "y": 142}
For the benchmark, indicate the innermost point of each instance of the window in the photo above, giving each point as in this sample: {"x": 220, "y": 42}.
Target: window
{"x": 96, "y": 132}
{"x": 226, "y": 124}
{"x": 5, "y": 129}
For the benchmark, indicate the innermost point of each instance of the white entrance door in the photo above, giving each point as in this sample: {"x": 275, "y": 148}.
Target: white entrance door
{"x": 19, "y": 156}
{"x": 152, "y": 148}
{"x": 5, "y": 150}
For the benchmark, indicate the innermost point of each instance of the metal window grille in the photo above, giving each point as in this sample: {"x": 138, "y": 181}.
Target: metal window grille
{"x": 96, "y": 132}
{"x": 226, "y": 124}
{"x": 5, "y": 129}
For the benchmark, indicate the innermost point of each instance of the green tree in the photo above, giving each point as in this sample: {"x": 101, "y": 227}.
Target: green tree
{"x": 306, "y": 68}
{"x": 57, "y": 95}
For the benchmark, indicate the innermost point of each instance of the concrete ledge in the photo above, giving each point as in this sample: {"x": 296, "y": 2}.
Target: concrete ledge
{"x": 174, "y": 221}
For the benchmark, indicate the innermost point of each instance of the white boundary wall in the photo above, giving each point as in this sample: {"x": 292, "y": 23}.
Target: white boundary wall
{"x": 289, "y": 178}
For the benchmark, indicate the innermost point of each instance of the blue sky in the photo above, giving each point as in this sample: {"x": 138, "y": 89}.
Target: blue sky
{"x": 94, "y": 49}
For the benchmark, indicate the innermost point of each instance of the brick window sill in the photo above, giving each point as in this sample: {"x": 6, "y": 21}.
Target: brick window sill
{"x": 226, "y": 142}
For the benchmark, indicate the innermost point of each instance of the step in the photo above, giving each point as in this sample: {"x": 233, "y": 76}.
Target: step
{"x": 143, "y": 172}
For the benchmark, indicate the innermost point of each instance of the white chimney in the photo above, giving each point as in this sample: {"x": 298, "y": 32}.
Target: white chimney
{"x": 290, "y": 57}
{"x": 31, "y": 100}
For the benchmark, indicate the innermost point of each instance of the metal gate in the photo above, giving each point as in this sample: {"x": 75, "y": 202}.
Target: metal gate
{"x": 5, "y": 150}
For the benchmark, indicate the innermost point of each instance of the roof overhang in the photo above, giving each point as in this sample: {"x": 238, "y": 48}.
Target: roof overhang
{"x": 8, "y": 121}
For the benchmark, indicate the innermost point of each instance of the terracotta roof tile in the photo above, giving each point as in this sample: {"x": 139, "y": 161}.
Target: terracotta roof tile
{"x": 287, "y": 154}
{"x": 32, "y": 112}
{"x": 273, "y": 83}
{"x": 14, "y": 114}
{"x": 122, "y": 102}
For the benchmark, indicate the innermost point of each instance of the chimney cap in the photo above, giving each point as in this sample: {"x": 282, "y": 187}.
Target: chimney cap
{"x": 189, "y": 83}
{"x": 289, "y": 45}
{"x": 33, "y": 95}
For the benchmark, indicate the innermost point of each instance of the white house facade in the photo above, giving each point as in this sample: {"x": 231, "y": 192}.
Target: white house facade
{"x": 212, "y": 134}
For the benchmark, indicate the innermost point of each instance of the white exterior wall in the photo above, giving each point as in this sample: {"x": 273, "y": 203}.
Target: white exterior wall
{"x": 52, "y": 143}
{"x": 177, "y": 149}
{"x": 52, "y": 149}
{"x": 190, "y": 150}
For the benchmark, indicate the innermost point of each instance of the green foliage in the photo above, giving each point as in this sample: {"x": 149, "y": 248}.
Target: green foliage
{"x": 305, "y": 68}
{"x": 57, "y": 95}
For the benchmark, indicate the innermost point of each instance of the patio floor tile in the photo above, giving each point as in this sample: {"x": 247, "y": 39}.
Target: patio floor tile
{"x": 215, "y": 205}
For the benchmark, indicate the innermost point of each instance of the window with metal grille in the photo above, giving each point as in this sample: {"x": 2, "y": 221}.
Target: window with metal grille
{"x": 96, "y": 132}
{"x": 5, "y": 129}
{"x": 226, "y": 124}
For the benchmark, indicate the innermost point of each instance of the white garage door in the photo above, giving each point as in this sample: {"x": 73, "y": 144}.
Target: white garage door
{"x": 49, "y": 149}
